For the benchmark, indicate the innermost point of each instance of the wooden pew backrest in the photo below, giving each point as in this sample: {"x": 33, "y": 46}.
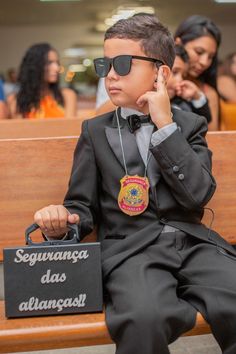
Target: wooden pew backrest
{"x": 39, "y": 128}
{"x": 86, "y": 113}
{"x": 35, "y": 173}
{"x": 223, "y": 203}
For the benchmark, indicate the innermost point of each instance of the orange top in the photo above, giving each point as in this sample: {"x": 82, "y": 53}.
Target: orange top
{"x": 49, "y": 108}
{"x": 228, "y": 115}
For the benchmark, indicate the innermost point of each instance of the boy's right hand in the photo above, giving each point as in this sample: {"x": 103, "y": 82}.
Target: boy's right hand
{"x": 53, "y": 220}
{"x": 158, "y": 102}
{"x": 188, "y": 90}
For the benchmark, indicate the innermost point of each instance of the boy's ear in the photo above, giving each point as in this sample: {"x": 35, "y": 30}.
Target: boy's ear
{"x": 166, "y": 73}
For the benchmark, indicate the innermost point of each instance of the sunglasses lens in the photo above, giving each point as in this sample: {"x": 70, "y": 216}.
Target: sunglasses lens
{"x": 102, "y": 66}
{"x": 122, "y": 64}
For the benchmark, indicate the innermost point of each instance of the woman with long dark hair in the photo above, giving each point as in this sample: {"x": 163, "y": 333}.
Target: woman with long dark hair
{"x": 201, "y": 38}
{"x": 40, "y": 95}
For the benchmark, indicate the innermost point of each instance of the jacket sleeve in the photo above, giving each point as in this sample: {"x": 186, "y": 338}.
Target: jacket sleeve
{"x": 203, "y": 111}
{"x": 185, "y": 165}
{"x": 81, "y": 197}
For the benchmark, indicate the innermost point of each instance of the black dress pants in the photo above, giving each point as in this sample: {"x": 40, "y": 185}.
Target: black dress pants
{"x": 153, "y": 296}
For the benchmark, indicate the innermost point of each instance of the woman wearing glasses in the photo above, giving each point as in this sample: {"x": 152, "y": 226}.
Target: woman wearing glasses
{"x": 39, "y": 93}
{"x": 201, "y": 38}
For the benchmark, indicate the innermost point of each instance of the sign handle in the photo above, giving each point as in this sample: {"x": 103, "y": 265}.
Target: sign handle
{"x": 51, "y": 242}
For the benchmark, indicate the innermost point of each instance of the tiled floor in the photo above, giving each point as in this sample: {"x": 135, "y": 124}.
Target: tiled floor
{"x": 196, "y": 345}
{"x": 189, "y": 345}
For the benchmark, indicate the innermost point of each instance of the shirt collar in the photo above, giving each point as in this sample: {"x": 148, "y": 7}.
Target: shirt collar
{"x": 125, "y": 112}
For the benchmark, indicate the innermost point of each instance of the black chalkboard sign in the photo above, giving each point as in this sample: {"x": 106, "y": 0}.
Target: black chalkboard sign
{"x": 52, "y": 279}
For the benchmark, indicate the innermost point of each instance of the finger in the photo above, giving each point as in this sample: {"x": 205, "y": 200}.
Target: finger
{"x": 177, "y": 86}
{"x": 39, "y": 220}
{"x": 161, "y": 81}
{"x": 62, "y": 217}
{"x": 47, "y": 222}
{"x": 58, "y": 217}
{"x": 178, "y": 91}
{"x": 184, "y": 84}
{"x": 142, "y": 100}
{"x": 188, "y": 82}
{"x": 47, "y": 219}
{"x": 73, "y": 218}
{"x": 181, "y": 84}
{"x": 145, "y": 98}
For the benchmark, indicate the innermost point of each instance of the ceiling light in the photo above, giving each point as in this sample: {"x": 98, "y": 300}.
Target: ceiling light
{"x": 74, "y": 52}
{"x": 77, "y": 68}
{"x": 58, "y": 0}
{"x": 87, "y": 62}
{"x": 226, "y": 1}
{"x": 123, "y": 12}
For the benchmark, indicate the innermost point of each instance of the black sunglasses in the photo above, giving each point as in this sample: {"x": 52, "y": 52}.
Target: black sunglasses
{"x": 121, "y": 64}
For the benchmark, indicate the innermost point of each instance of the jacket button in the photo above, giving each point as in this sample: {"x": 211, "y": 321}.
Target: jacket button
{"x": 176, "y": 168}
{"x": 181, "y": 176}
{"x": 164, "y": 220}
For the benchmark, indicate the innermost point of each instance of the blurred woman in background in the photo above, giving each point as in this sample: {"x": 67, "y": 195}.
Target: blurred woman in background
{"x": 40, "y": 95}
{"x": 185, "y": 94}
{"x": 227, "y": 79}
{"x": 201, "y": 38}
{"x": 3, "y": 107}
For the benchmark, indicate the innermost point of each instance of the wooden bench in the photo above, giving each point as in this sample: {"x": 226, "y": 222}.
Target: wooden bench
{"x": 40, "y": 128}
{"x": 35, "y": 173}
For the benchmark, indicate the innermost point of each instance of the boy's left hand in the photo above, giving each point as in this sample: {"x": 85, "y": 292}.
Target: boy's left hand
{"x": 158, "y": 102}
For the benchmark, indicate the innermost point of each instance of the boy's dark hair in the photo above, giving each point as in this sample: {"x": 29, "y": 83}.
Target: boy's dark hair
{"x": 197, "y": 26}
{"x": 181, "y": 52}
{"x": 155, "y": 39}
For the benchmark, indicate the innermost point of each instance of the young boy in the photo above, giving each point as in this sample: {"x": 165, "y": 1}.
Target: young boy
{"x": 185, "y": 94}
{"x": 145, "y": 186}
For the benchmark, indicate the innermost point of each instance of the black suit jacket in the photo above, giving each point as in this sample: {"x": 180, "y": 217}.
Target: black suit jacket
{"x": 189, "y": 107}
{"x": 179, "y": 173}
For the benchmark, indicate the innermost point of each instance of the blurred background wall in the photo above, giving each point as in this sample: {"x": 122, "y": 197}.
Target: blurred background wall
{"x": 76, "y": 27}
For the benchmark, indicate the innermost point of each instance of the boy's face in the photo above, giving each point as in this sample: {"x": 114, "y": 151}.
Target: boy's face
{"x": 178, "y": 74}
{"x": 125, "y": 90}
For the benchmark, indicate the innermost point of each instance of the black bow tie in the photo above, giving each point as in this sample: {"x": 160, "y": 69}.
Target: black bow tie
{"x": 134, "y": 121}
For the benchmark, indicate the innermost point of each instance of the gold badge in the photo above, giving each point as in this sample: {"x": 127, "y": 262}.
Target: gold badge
{"x": 133, "y": 197}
